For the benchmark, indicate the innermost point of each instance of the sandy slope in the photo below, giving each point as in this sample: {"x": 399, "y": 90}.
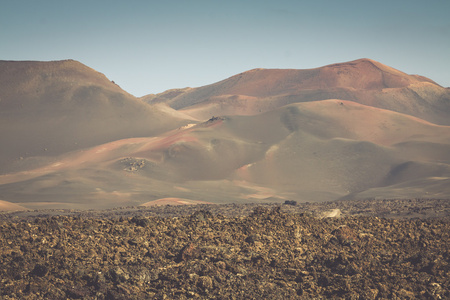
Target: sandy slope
{"x": 8, "y": 206}
{"x": 335, "y": 149}
{"x": 71, "y": 138}
{"x": 173, "y": 201}
{"x": 312, "y": 151}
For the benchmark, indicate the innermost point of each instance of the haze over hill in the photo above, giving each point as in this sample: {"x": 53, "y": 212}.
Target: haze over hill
{"x": 50, "y": 108}
{"x": 363, "y": 81}
{"x": 74, "y": 139}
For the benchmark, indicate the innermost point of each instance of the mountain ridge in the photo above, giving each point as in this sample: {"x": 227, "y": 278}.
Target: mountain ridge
{"x": 71, "y": 138}
{"x": 49, "y": 108}
{"x": 364, "y": 81}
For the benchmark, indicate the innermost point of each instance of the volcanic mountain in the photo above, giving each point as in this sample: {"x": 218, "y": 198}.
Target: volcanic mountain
{"x": 363, "y": 81}
{"x": 50, "y": 108}
{"x": 353, "y": 130}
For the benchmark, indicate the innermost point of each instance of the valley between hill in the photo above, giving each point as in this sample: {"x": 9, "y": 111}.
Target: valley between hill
{"x": 72, "y": 139}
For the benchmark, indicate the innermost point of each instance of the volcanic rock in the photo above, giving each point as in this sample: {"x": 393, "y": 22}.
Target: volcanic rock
{"x": 231, "y": 252}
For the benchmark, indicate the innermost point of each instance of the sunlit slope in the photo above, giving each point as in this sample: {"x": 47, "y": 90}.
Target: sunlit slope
{"x": 363, "y": 81}
{"x": 336, "y": 147}
{"x": 313, "y": 151}
{"x": 49, "y": 108}
{"x": 135, "y": 171}
{"x": 8, "y": 206}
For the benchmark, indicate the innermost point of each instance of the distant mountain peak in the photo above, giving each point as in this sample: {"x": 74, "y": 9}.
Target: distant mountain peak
{"x": 34, "y": 76}
{"x": 364, "y": 81}
{"x": 360, "y": 74}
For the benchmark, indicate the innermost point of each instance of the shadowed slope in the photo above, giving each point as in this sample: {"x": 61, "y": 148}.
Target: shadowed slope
{"x": 311, "y": 151}
{"x": 364, "y": 81}
{"x": 49, "y": 108}
{"x": 339, "y": 147}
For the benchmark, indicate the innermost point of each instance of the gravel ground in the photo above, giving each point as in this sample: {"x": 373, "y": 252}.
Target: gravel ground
{"x": 369, "y": 250}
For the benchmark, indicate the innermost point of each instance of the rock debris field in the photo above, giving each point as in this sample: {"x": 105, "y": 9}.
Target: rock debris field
{"x": 369, "y": 250}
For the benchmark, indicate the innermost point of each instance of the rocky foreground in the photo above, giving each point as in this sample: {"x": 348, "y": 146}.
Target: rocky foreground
{"x": 368, "y": 250}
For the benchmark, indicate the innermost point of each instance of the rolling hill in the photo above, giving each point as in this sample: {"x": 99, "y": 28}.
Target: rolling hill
{"x": 50, "y": 108}
{"x": 363, "y": 81}
{"x": 357, "y": 130}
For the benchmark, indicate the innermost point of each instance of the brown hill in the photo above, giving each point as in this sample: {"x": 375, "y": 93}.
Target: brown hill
{"x": 313, "y": 151}
{"x": 8, "y": 206}
{"x": 49, "y": 108}
{"x": 364, "y": 81}
{"x": 71, "y": 138}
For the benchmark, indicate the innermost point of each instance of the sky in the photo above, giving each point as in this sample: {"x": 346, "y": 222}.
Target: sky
{"x": 149, "y": 46}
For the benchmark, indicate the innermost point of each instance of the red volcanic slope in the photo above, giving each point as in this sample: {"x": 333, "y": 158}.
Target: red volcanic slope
{"x": 364, "y": 81}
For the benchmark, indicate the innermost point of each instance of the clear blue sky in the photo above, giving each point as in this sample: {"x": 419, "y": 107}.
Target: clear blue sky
{"x": 151, "y": 46}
